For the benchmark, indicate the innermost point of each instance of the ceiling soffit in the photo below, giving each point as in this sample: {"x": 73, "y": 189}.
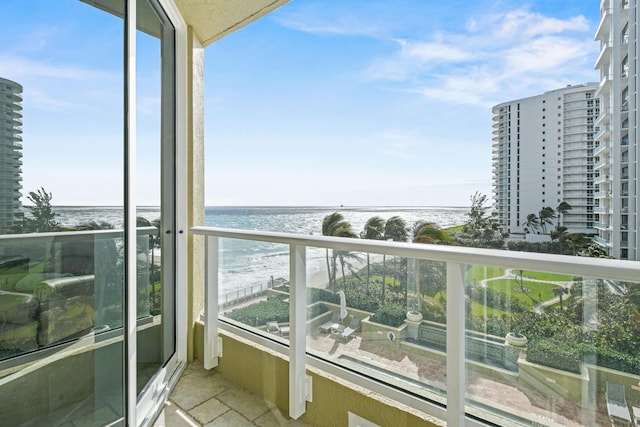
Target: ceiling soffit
{"x": 214, "y": 19}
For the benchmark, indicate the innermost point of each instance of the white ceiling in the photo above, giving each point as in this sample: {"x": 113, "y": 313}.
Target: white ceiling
{"x": 213, "y": 19}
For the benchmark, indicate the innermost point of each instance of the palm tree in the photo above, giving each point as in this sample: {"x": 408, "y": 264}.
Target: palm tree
{"x": 373, "y": 230}
{"x": 546, "y": 216}
{"x": 395, "y": 229}
{"x": 532, "y": 221}
{"x": 428, "y": 232}
{"x": 344, "y": 257}
{"x": 562, "y": 209}
{"x": 334, "y": 225}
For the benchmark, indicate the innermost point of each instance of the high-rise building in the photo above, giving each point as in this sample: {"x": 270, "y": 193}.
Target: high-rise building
{"x": 616, "y": 151}
{"x": 543, "y": 156}
{"x": 10, "y": 153}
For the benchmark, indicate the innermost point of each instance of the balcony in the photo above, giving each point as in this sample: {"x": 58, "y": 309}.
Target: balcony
{"x": 604, "y": 87}
{"x": 604, "y": 117}
{"x": 602, "y": 132}
{"x": 602, "y": 32}
{"x": 602, "y": 148}
{"x": 604, "y": 58}
{"x": 601, "y": 241}
{"x": 404, "y": 363}
{"x": 602, "y": 163}
{"x": 203, "y": 397}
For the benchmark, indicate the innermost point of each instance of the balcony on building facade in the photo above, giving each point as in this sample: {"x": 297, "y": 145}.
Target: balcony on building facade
{"x": 602, "y": 163}
{"x": 604, "y": 117}
{"x": 605, "y": 85}
{"x": 603, "y": 210}
{"x": 602, "y": 132}
{"x": 604, "y": 27}
{"x": 602, "y": 147}
{"x": 604, "y": 58}
{"x": 601, "y": 241}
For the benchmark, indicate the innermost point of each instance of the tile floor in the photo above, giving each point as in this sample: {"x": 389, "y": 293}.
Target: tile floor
{"x": 206, "y": 398}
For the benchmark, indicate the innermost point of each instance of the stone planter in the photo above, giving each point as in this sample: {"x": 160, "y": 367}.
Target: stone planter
{"x": 414, "y": 316}
{"x": 516, "y": 340}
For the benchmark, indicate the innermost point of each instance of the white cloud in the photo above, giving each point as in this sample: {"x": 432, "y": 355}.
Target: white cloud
{"x": 521, "y": 24}
{"x": 432, "y": 52}
{"x": 26, "y": 68}
{"x": 496, "y": 57}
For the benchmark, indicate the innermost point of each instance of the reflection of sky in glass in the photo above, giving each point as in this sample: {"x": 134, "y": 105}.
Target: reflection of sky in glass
{"x": 72, "y": 98}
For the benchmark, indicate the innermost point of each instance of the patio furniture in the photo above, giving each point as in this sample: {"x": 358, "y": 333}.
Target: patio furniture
{"x": 326, "y": 327}
{"x": 46, "y": 312}
{"x": 617, "y": 407}
{"x": 354, "y": 325}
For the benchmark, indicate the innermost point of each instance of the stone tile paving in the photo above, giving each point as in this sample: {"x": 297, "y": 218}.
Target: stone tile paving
{"x": 501, "y": 391}
{"x": 206, "y": 398}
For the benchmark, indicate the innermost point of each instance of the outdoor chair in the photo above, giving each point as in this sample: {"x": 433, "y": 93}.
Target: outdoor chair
{"x": 617, "y": 403}
{"x": 326, "y": 327}
{"x": 354, "y": 325}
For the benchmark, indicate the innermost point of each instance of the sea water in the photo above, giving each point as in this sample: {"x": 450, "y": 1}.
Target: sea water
{"x": 246, "y": 264}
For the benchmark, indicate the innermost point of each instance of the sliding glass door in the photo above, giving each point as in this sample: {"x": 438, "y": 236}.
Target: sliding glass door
{"x": 87, "y": 211}
{"x": 155, "y": 200}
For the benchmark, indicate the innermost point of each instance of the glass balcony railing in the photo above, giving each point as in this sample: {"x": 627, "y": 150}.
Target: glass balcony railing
{"x": 462, "y": 334}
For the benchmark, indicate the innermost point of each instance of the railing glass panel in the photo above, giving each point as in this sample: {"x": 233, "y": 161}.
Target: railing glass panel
{"x": 464, "y": 332}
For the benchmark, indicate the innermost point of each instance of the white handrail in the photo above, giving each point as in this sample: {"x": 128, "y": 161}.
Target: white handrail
{"x": 626, "y": 271}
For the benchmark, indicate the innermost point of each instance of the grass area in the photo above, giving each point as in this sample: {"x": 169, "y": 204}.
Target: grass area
{"x": 480, "y": 272}
{"x": 538, "y": 292}
{"x": 455, "y": 229}
{"x": 478, "y": 310}
{"x": 540, "y": 275}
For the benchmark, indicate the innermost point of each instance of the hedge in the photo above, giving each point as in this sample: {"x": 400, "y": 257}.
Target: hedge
{"x": 555, "y": 354}
{"x": 258, "y": 314}
{"x": 612, "y": 359}
{"x": 390, "y": 315}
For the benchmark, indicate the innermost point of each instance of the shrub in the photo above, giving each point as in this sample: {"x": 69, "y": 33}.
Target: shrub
{"x": 260, "y": 313}
{"x": 390, "y": 315}
{"x": 361, "y": 301}
{"x": 612, "y": 359}
{"x": 555, "y": 354}
{"x": 316, "y": 310}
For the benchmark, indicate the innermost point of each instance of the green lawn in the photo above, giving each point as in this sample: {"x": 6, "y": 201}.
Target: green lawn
{"x": 454, "y": 229}
{"x": 552, "y": 277}
{"x": 480, "y": 272}
{"x": 478, "y": 310}
{"x": 538, "y": 292}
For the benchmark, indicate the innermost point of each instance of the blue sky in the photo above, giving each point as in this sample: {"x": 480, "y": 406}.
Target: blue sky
{"x": 380, "y": 102}
{"x": 319, "y": 103}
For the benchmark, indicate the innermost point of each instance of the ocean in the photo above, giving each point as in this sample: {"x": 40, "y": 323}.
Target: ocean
{"x": 246, "y": 264}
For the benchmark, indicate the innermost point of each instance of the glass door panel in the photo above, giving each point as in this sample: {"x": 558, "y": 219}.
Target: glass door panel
{"x": 155, "y": 201}
{"x": 61, "y": 261}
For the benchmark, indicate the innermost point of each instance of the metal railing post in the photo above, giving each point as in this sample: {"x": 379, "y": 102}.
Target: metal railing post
{"x": 211, "y": 344}
{"x": 297, "y": 330}
{"x": 456, "y": 372}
